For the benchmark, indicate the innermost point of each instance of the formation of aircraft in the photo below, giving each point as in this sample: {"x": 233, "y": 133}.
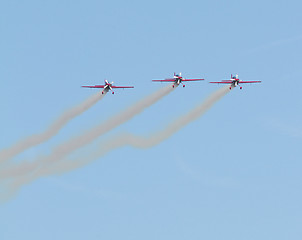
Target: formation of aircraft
{"x": 108, "y": 86}
{"x": 235, "y": 81}
{"x": 177, "y": 80}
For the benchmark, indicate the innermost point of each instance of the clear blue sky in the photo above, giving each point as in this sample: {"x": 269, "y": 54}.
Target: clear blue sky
{"x": 233, "y": 174}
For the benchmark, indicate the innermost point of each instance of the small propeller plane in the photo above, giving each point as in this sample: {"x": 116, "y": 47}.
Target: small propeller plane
{"x": 178, "y": 79}
{"x": 108, "y": 86}
{"x": 235, "y": 81}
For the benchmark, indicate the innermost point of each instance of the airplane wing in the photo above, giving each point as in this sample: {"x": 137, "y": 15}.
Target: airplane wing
{"x": 165, "y": 80}
{"x": 95, "y": 86}
{"x": 191, "y": 80}
{"x": 249, "y": 82}
{"x": 122, "y": 86}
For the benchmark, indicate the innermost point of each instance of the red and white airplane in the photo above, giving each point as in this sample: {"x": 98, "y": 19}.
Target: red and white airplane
{"x": 178, "y": 79}
{"x": 235, "y": 81}
{"x": 108, "y": 86}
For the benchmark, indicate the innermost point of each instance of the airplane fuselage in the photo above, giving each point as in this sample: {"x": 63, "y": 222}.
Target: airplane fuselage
{"x": 106, "y": 88}
{"x": 177, "y": 80}
{"x": 235, "y": 83}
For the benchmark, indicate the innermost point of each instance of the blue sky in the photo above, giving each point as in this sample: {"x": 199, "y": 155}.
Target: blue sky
{"x": 235, "y": 173}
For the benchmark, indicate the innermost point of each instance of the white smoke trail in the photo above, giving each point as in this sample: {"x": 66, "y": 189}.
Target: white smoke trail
{"x": 64, "y": 149}
{"x": 138, "y": 141}
{"x": 116, "y": 142}
{"x": 53, "y": 129}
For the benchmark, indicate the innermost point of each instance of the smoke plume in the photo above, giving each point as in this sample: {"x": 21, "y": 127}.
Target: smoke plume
{"x": 53, "y": 129}
{"x": 25, "y": 175}
{"x": 138, "y": 141}
{"x": 64, "y": 149}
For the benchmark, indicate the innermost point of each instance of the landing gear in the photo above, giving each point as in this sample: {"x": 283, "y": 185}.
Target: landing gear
{"x": 230, "y": 88}
{"x": 102, "y": 92}
{"x": 112, "y": 92}
{"x": 173, "y": 86}
{"x": 183, "y": 85}
{"x": 240, "y": 87}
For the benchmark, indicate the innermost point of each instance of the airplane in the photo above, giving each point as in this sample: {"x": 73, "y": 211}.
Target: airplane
{"x": 108, "y": 86}
{"x": 235, "y": 81}
{"x": 178, "y": 79}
